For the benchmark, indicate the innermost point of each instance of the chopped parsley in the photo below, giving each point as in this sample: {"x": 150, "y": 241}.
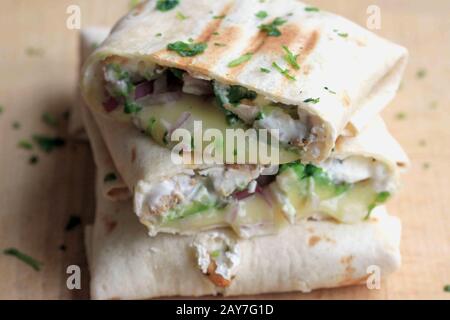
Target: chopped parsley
{"x": 260, "y": 116}
{"x": 25, "y": 144}
{"x": 264, "y": 70}
{"x": 48, "y": 144}
{"x": 181, "y": 16}
{"x": 215, "y": 254}
{"x": 312, "y": 100}
{"x": 447, "y": 288}
{"x": 311, "y": 9}
{"x": 329, "y": 90}
{"x": 244, "y": 58}
{"x": 49, "y": 119}
{"x": 1, "y": 109}
{"x": 166, "y": 5}
{"x": 426, "y": 165}
{"x": 216, "y": 33}
{"x": 16, "y": 125}
{"x": 187, "y": 49}
{"x": 219, "y": 17}
{"x": 34, "y": 159}
{"x": 421, "y": 73}
{"x": 217, "y": 44}
{"x": 73, "y": 222}
{"x": 131, "y": 107}
{"x": 159, "y": 34}
{"x": 290, "y": 58}
{"x": 262, "y": 14}
{"x": 36, "y": 265}
{"x": 284, "y": 72}
{"x": 272, "y": 28}
{"x": 400, "y": 116}
{"x": 34, "y": 52}
{"x": 238, "y": 93}
{"x": 110, "y": 177}
{"x": 380, "y": 198}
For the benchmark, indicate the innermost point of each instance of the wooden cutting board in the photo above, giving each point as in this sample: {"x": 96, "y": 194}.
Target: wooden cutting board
{"x": 38, "y": 64}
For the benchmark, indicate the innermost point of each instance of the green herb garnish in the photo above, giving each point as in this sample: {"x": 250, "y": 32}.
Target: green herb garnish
{"x": 272, "y": 28}
{"x": 181, "y": 16}
{"x": 187, "y": 49}
{"x": 25, "y": 144}
{"x": 215, "y": 254}
{"x": 166, "y": 5}
{"x": 380, "y": 198}
{"x": 421, "y": 73}
{"x": 48, "y": 144}
{"x": 343, "y": 34}
{"x": 291, "y": 58}
{"x": 1, "y": 109}
{"x": 262, "y": 14}
{"x": 131, "y": 107}
{"x": 311, "y": 9}
{"x": 217, "y": 44}
{"x": 110, "y": 177}
{"x": 400, "y": 116}
{"x": 238, "y": 93}
{"x": 244, "y": 58}
{"x": 49, "y": 119}
{"x": 73, "y": 222}
{"x": 133, "y": 3}
{"x": 159, "y": 34}
{"x": 260, "y": 115}
{"x": 264, "y": 70}
{"x": 36, "y": 265}
{"x": 34, "y": 52}
{"x": 219, "y": 17}
{"x": 16, "y": 125}
{"x": 33, "y": 160}
{"x": 447, "y": 288}
{"x": 284, "y": 72}
{"x": 312, "y": 100}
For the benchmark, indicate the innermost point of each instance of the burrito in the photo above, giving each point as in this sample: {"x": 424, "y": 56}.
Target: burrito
{"x": 125, "y": 263}
{"x": 362, "y": 173}
{"x": 302, "y": 73}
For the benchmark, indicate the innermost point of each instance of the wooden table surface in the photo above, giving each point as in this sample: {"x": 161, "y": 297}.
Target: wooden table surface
{"x": 38, "y": 68}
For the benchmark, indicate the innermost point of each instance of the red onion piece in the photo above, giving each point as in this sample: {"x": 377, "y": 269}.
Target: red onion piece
{"x": 143, "y": 89}
{"x": 111, "y": 104}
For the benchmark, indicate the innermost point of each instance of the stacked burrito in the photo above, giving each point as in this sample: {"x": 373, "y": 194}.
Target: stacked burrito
{"x": 173, "y": 220}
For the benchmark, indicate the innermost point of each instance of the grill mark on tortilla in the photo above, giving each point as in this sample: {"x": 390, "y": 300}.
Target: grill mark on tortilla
{"x": 214, "y": 25}
{"x": 346, "y": 101}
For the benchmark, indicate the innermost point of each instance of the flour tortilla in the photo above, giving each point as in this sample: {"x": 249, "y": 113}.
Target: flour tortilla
{"x": 82, "y": 126}
{"x": 363, "y": 69}
{"x": 127, "y": 264}
{"x": 90, "y": 38}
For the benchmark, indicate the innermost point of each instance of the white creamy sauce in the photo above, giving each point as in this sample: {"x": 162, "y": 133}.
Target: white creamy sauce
{"x": 221, "y": 249}
{"x": 357, "y": 168}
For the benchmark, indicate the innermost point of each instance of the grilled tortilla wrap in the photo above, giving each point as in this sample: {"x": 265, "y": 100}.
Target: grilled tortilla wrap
{"x": 310, "y": 74}
{"x": 81, "y": 121}
{"x": 90, "y": 38}
{"x": 362, "y": 173}
{"x": 127, "y": 264}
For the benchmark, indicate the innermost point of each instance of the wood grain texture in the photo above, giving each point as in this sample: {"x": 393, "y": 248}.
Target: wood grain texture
{"x": 38, "y": 64}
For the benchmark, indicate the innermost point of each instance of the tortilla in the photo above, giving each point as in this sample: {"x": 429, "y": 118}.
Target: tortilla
{"x": 90, "y": 39}
{"x": 127, "y": 264}
{"x": 346, "y": 76}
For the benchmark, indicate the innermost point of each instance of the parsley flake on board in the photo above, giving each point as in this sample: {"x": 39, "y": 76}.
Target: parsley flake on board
{"x": 284, "y": 72}
{"x": 34, "y": 159}
{"x": 1, "y": 109}
{"x": 36, "y": 265}
{"x": 48, "y": 144}
{"x": 447, "y": 288}
{"x": 421, "y": 73}
{"x": 244, "y": 58}
{"x": 291, "y": 58}
{"x": 329, "y": 90}
{"x": 25, "y": 144}
{"x": 16, "y": 125}
{"x": 49, "y": 119}
{"x": 272, "y": 28}
{"x": 166, "y": 5}
{"x": 187, "y": 49}
{"x": 181, "y": 16}
{"x": 219, "y": 17}
{"x": 264, "y": 70}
